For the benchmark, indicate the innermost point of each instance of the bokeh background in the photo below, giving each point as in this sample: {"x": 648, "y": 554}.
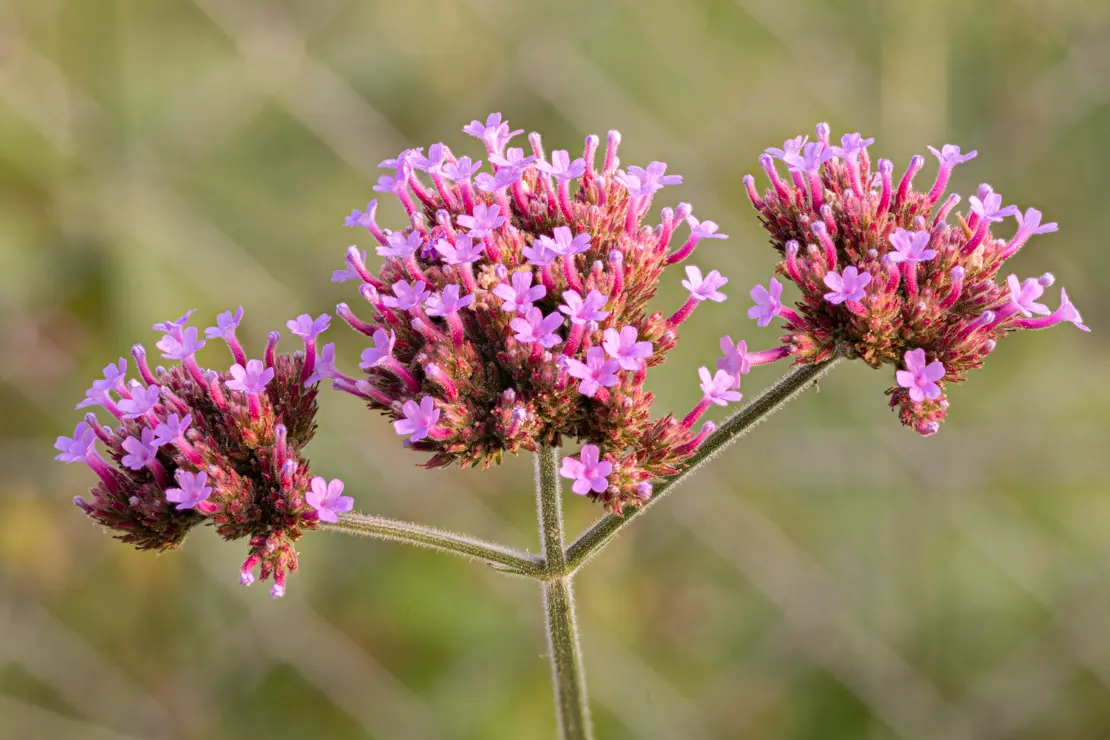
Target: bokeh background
{"x": 834, "y": 576}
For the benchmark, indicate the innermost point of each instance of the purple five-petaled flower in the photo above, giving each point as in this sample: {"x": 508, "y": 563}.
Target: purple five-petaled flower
{"x": 407, "y": 295}
{"x": 140, "y": 450}
{"x": 587, "y": 471}
{"x": 910, "y": 246}
{"x": 596, "y": 372}
{"x": 519, "y": 296}
{"x": 542, "y": 252}
{"x": 328, "y": 499}
{"x": 642, "y": 182}
{"x": 342, "y": 276}
{"x": 846, "y": 286}
{"x": 1030, "y": 223}
{"x": 325, "y": 365}
{"x": 718, "y": 387}
{"x": 142, "y": 400}
{"x": 503, "y": 178}
{"x": 190, "y": 489}
{"x": 484, "y": 220}
{"x": 582, "y": 310}
{"x": 704, "y": 229}
{"x": 513, "y": 160}
{"x": 401, "y": 245}
{"x": 535, "y": 327}
{"x": 226, "y": 324}
{"x": 704, "y": 288}
{"x": 563, "y": 243}
{"x": 307, "y": 328}
{"x": 382, "y": 349}
{"x": 623, "y": 347}
{"x": 1023, "y": 295}
{"x": 735, "y": 362}
{"x": 449, "y": 301}
{"x": 850, "y": 146}
{"x": 809, "y": 161}
{"x": 74, "y": 449}
{"x": 920, "y": 378}
{"x": 113, "y": 376}
{"x": 990, "y": 208}
{"x": 180, "y": 345}
{"x": 493, "y": 132}
{"x": 174, "y": 327}
{"x": 768, "y": 303}
{"x": 949, "y": 155}
{"x": 561, "y": 167}
{"x": 464, "y": 251}
{"x": 251, "y": 379}
{"x": 790, "y": 146}
{"x": 464, "y": 169}
{"x": 172, "y": 429}
{"x": 419, "y": 418}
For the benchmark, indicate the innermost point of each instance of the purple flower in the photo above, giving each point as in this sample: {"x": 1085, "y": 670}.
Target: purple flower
{"x": 909, "y": 246}
{"x": 950, "y": 156}
{"x": 358, "y": 218}
{"x": 718, "y": 388}
{"x": 180, "y": 346}
{"x": 325, "y": 365}
{"x": 74, "y": 449}
{"x": 641, "y": 182}
{"x": 96, "y": 397}
{"x": 113, "y": 376}
{"x": 519, "y": 296}
{"x": 449, "y": 301}
{"x": 483, "y": 221}
{"x": 564, "y": 244}
{"x": 190, "y": 489}
{"x": 848, "y": 286}
{"x": 587, "y": 472}
{"x": 342, "y": 276}
{"x": 382, "y": 349}
{"x": 735, "y": 362}
{"x": 513, "y": 159}
{"x": 561, "y": 167}
{"x": 535, "y": 327}
{"x": 226, "y": 324}
{"x": 141, "y": 401}
{"x": 172, "y": 429}
{"x": 704, "y": 289}
{"x": 406, "y": 295}
{"x": 174, "y": 327}
{"x": 850, "y": 146}
{"x": 1030, "y": 223}
{"x": 494, "y": 133}
{"x": 703, "y": 229}
{"x": 433, "y": 163}
{"x": 1068, "y": 312}
{"x": 1023, "y": 295}
{"x": 463, "y": 170}
{"x": 251, "y": 379}
{"x": 542, "y": 252}
{"x": 920, "y": 378}
{"x": 503, "y": 178}
{"x": 140, "y": 451}
{"x": 595, "y": 372}
{"x": 810, "y": 160}
{"x": 768, "y": 303}
{"x": 580, "y": 311}
{"x": 419, "y": 419}
{"x": 308, "y": 329}
{"x": 623, "y": 347}
{"x": 463, "y": 252}
{"x": 328, "y": 499}
{"x": 790, "y": 146}
{"x": 401, "y": 245}
{"x": 990, "y": 208}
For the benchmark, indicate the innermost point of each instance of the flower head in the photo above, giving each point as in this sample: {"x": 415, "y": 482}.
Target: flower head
{"x": 704, "y": 229}
{"x": 328, "y": 499}
{"x": 499, "y": 180}
{"x": 920, "y": 378}
{"x": 250, "y": 379}
{"x": 587, "y": 471}
{"x": 190, "y": 489}
{"x": 848, "y": 286}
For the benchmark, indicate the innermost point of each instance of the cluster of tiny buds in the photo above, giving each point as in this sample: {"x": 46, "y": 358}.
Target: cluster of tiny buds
{"x": 884, "y": 277}
{"x": 192, "y": 446}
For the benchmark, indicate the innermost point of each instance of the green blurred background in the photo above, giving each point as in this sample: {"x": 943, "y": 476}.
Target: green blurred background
{"x": 834, "y": 576}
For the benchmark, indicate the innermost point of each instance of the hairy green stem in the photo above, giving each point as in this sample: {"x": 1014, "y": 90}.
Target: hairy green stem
{"x": 382, "y": 528}
{"x": 564, "y": 653}
{"x": 788, "y": 387}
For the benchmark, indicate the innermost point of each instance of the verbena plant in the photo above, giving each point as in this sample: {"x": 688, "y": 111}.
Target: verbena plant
{"x": 510, "y": 313}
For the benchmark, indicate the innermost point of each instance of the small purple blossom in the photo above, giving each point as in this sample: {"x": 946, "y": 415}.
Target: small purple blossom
{"x": 850, "y": 146}
{"x": 513, "y": 159}
{"x": 1068, "y": 312}
{"x": 848, "y": 286}
{"x": 406, "y": 295}
{"x": 643, "y": 182}
{"x": 810, "y": 160}
{"x": 382, "y": 349}
{"x": 1024, "y": 295}
{"x": 561, "y": 167}
{"x": 142, "y": 400}
{"x": 563, "y": 243}
{"x": 542, "y": 252}
{"x": 180, "y": 346}
{"x": 226, "y": 324}
{"x": 768, "y": 303}
{"x": 718, "y": 388}
{"x": 910, "y": 246}
{"x": 704, "y": 288}
{"x": 358, "y": 218}
{"x": 307, "y": 328}
{"x": 950, "y": 156}
{"x": 190, "y": 489}
{"x": 433, "y": 163}
{"x": 493, "y": 132}
{"x": 703, "y": 229}
{"x": 484, "y": 220}
{"x": 419, "y": 419}
{"x": 172, "y": 429}
{"x": 401, "y": 245}
{"x": 328, "y": 499}
{"x": 250, "y": 379}
{"x": 325, "y": 365}
{"x": 580, "y": 311}
{"x": 74, "y": 449}
{"x": 464, "y": 169}
{"x": 1030, "y": 223}
{"x": 449, "y": 301}
{"x": 587, "y": 471}
{"x": 595, "y": 372}
{"x": 735, "y": 362}
{"x": 113, "y": 376}
{"x": 990, "y": 208}
{"x": 140, "y": 450}
{"x": 464, "y": 251}
{"x": 535, "y": 327}
{"x": 920, "y": 378}
{"x": 623, "y": 347}
{"x": 790, "y": 146}
{"x": 342, "y": 276}
{"x": 519, "y": 296}
{"x": 503, "y": 178}
{"x": 174, "y": 327}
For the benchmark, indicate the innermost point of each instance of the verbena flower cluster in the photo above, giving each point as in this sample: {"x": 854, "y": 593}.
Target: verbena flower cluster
{"x": 511, "y": 309}
{"x": 885, "y": 277}
{"x": 191, "y": 446}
